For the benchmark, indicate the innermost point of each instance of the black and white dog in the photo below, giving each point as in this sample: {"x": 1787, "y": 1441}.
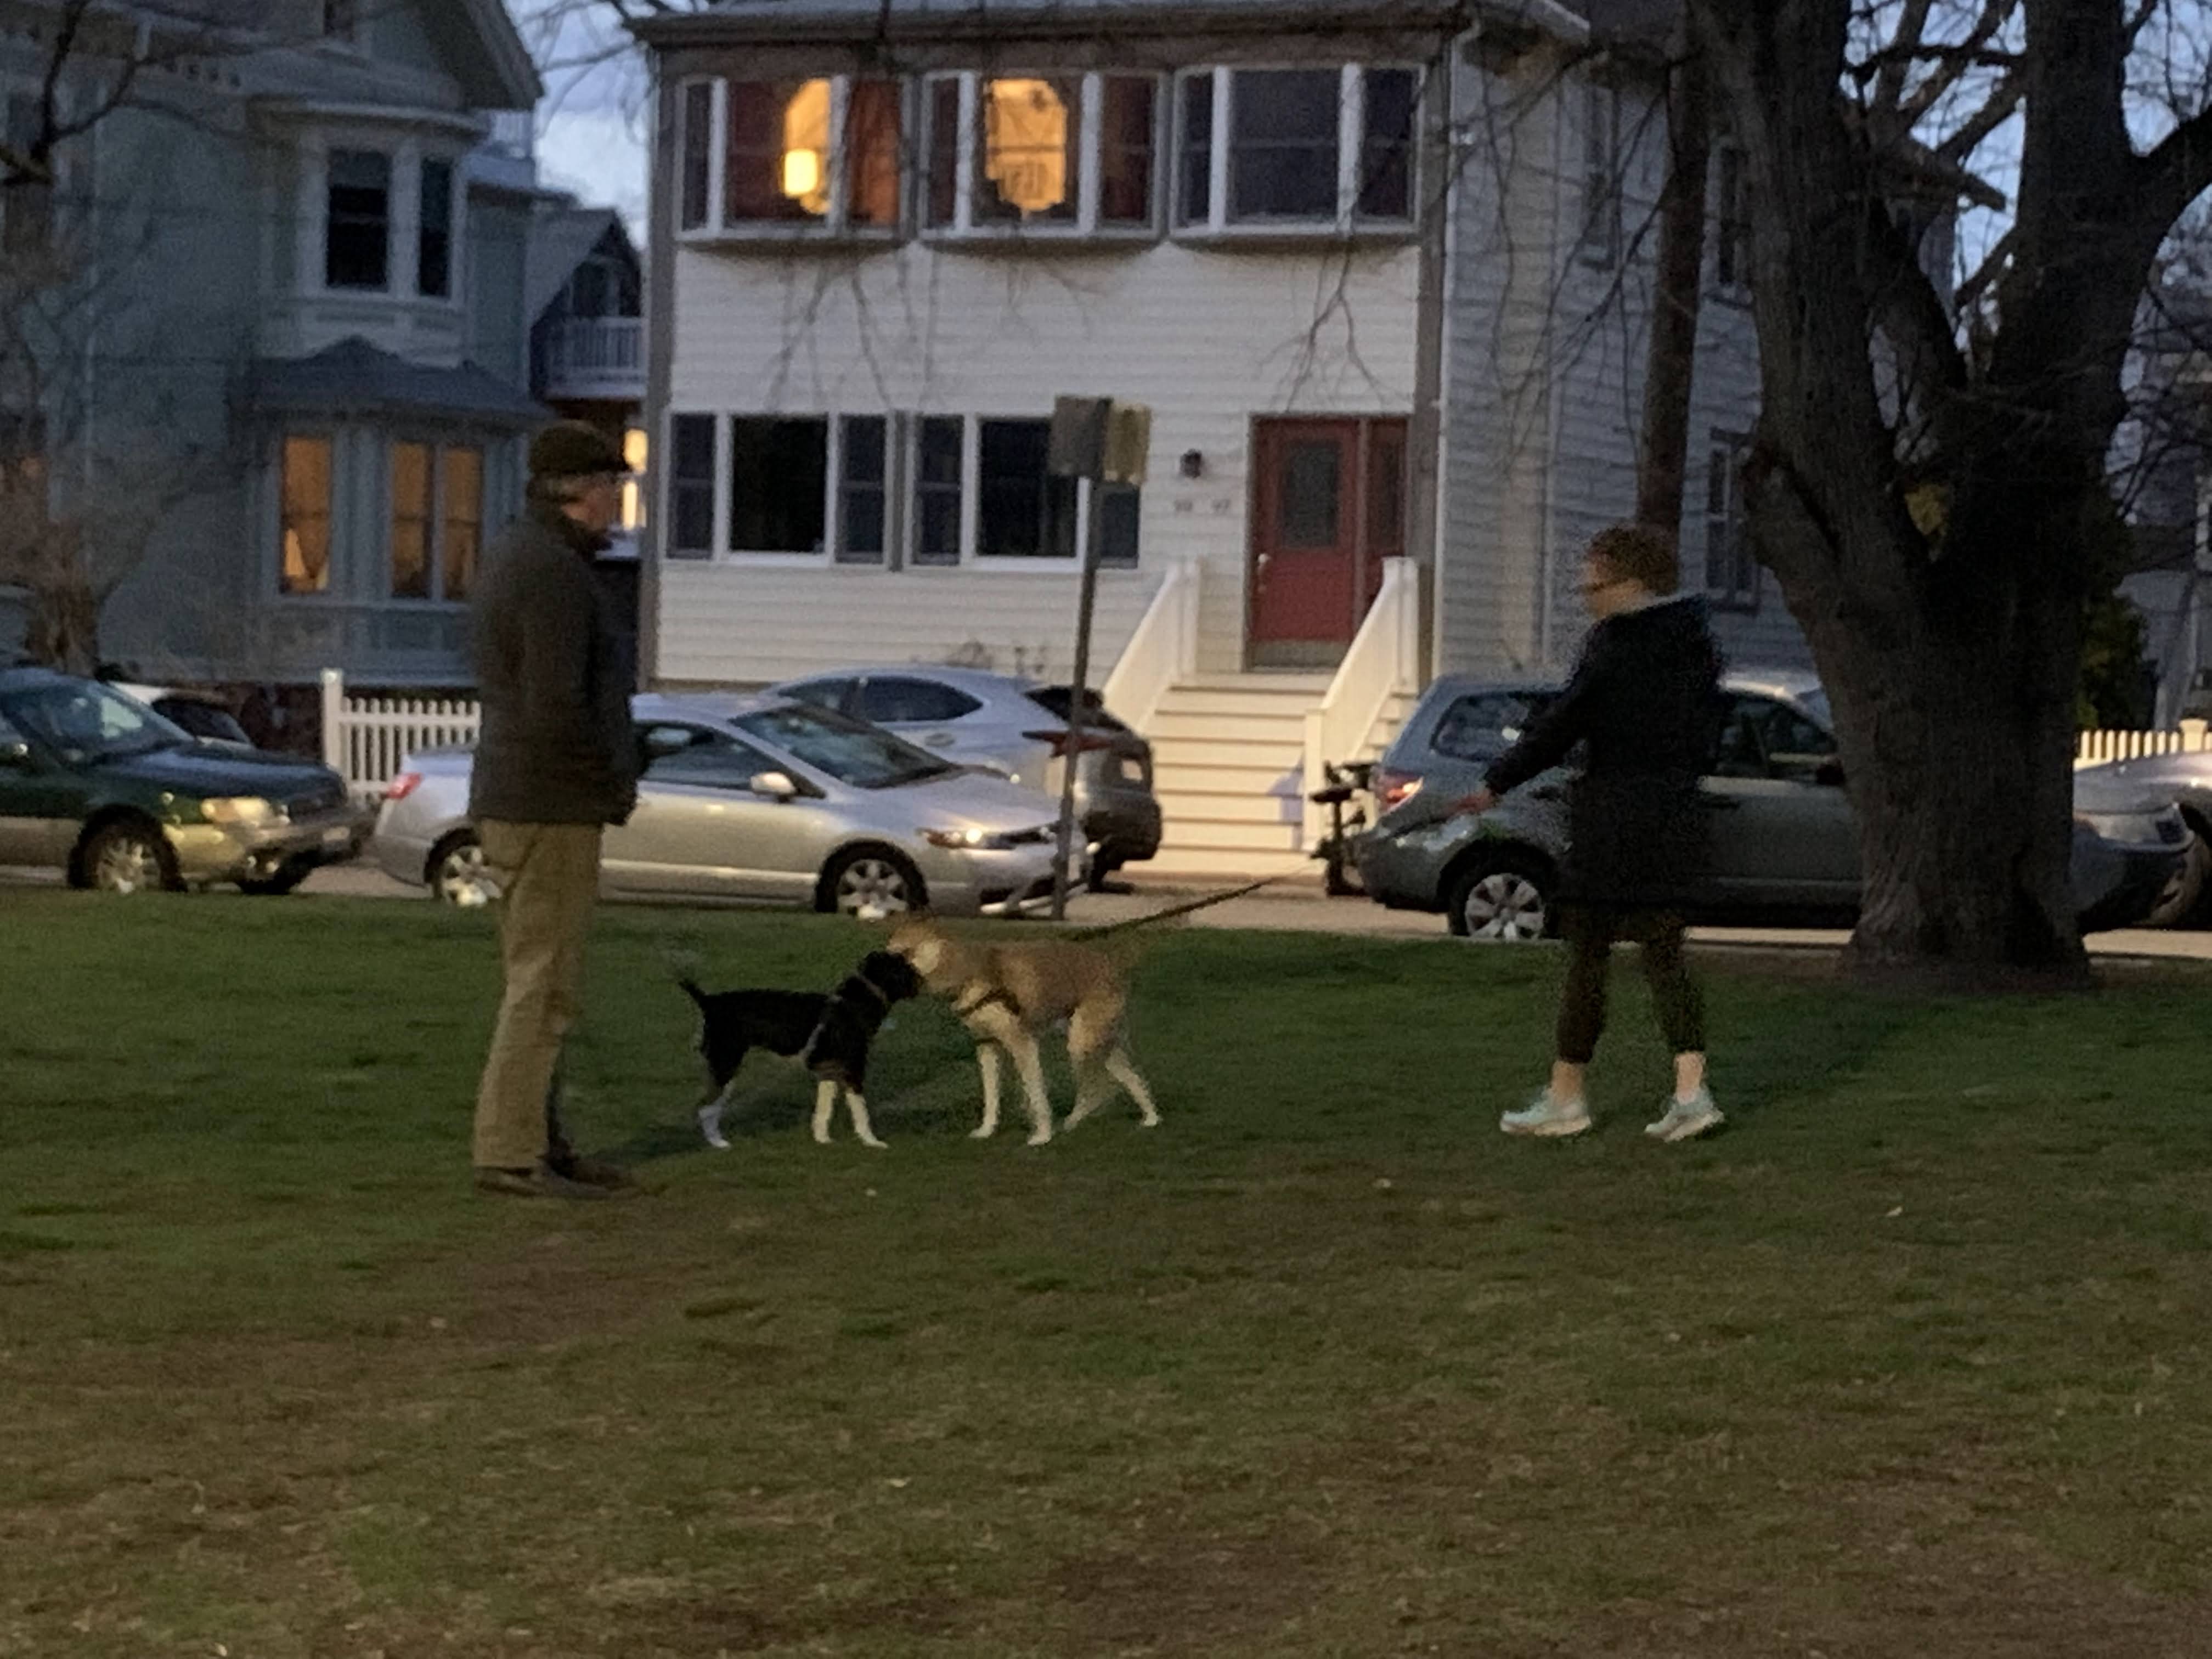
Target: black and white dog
{"x": 829, "y": 1035}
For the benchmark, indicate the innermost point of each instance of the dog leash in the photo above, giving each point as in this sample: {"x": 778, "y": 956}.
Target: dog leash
{"x": 1190, "y": 906}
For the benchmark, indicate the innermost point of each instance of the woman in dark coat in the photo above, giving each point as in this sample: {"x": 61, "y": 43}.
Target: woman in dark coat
{"x": 1644, "y": 702}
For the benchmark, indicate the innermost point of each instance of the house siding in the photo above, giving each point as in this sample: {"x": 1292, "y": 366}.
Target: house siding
{"x": 1547, "y": 358}
{"x": 1209, "y": 339}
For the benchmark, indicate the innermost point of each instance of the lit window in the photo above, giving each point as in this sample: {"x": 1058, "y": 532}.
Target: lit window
{"x": 633, "y": 498}
{"x": 1052, "y": 155}
{"x": 1296, "y": 148}
{"x": 821, "y": 154}
{"x": 437, "y": 520}
{"x": 304, "y": 526}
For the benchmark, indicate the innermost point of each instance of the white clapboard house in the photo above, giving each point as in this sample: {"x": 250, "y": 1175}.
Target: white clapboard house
{"x": 1379, "y": 270}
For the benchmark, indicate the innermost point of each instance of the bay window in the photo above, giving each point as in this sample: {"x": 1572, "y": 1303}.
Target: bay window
{"x": 818, "y": 155}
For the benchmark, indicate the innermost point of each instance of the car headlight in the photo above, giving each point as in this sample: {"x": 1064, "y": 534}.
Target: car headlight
{"x": 985, "y": 840}
{"x": 237, "y": 808}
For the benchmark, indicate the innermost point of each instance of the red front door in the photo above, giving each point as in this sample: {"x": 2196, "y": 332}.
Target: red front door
{"x": 1328, "y": 507}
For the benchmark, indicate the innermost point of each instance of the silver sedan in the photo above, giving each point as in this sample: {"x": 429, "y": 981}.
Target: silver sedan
{"x": 759, "y": 800}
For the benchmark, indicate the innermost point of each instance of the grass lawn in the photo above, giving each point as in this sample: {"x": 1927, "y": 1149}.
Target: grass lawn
{"x": 1912, "y": 1361}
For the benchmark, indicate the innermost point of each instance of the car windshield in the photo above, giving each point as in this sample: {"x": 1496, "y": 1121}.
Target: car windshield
{"x": 852, "y": 751}
{"x": 82, "y": 720}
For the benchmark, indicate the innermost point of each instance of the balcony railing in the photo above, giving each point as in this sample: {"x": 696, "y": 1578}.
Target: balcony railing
{"x": 595, "y": 357}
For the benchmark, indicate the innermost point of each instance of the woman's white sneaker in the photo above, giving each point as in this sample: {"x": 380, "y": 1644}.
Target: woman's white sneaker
{"x": 1546, "y": 1116}
{"x": 1685, "y": 1119}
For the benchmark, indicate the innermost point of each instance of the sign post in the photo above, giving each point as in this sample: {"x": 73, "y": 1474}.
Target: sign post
{"x": 1096, "y": 441}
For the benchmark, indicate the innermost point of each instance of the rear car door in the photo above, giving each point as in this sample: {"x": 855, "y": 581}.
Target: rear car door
{"x": 1782, "y": 830}
{"x": 699, "y": 828}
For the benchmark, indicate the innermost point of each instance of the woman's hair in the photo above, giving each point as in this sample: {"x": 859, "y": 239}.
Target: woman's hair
{"x": 1639, "y": 553}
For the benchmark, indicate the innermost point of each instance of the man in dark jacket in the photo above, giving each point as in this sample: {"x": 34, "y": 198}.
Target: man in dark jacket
{"x": 1644, "y": 704}
{"x": 555, "y": 762}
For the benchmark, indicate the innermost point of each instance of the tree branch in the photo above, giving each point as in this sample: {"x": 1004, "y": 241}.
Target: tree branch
{"x": 2180, "y": 170}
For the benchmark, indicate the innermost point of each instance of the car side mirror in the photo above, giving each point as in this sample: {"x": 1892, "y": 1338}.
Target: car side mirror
{"x": 15, "y": 754}
{"x": 773, "y": 785}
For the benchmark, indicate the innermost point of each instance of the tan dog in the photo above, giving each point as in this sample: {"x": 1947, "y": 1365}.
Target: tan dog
{"x": 1008, "y": 994}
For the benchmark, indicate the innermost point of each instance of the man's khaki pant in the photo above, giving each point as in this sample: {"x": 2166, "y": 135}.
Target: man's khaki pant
{"x": 548, "y": 875}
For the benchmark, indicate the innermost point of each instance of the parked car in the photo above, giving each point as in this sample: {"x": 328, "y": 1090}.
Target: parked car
{"x": 97, "y": 784}
{"x": 204, "y": 716}
{"x": 2186, "y": 780}
{"x": 763, "y": 801}
{"x": 1783, "y": 842}
{"x": 1017, "y": 727}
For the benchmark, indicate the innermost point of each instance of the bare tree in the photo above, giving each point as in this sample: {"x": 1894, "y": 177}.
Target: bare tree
{"x": 1931, "y": 537}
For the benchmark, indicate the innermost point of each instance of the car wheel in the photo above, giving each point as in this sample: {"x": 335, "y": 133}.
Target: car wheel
{"x": 129, "y": 858}
{"x": 2183, "y": 901}
{"x": 870, "y": 882}
{"x": 275, "y": 886}
{"x": 459, "y": 875}
{"x": 1506, "y": 897}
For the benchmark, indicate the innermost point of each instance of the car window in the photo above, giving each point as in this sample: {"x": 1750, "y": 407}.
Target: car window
{"x": 1764, "y": 739}
{"x": 852, "y": 751}
{"x": 1483, "y": 725}
{"x": 83, "y": 721}
{"x": 203, "y": 720}
{"x": 694, "y": 755}
{"x": 823, "y": 693}
{"x": 894, "y": 700}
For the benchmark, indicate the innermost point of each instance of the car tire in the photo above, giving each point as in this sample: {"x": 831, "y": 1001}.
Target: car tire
{"x": 870, "y": 883}
{"x": 1506, "y": 896}
{"x": 284, "y": 881}
{"x": 2182, "y": 903}
{"x": 457, "y": 874}
{"x": 129, "y": 856}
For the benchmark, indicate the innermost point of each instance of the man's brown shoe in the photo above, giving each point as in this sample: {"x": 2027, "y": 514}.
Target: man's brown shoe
{"x": 537, "y": 1182}
{"x": 593, "y": 1172}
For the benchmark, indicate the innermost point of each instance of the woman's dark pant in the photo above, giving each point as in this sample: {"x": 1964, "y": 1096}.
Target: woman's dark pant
{"x": 1590, "y": 931}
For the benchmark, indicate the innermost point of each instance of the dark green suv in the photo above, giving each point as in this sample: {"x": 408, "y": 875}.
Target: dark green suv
{"x": 98, "y": 784}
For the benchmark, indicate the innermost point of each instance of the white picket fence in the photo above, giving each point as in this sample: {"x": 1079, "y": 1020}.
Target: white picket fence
{"x": 2097, "y": 748}
{"x": 364, "y": 739}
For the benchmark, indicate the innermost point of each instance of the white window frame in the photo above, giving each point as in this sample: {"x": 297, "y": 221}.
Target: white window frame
{"x": 1725, "y": 451}
{"x": 1605, "y": 166}
{"x": 1351, "y": 142}
{"x": 833, "y": 225}
{"x": 718, "y": 535}
{"x": 437, "y": 448}
{"x": 1085, "y": 226}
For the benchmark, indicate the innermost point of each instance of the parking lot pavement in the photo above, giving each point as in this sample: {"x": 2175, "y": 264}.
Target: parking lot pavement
{"x": 1298, "y": 907}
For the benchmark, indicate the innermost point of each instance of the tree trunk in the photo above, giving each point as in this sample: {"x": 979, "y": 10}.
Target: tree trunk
{"x": 64, "y": 629}
{"x": 1678, "y": 286}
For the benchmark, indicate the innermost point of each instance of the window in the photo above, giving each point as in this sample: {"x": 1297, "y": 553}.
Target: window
{"x": 863, "y": 489}
{"x": 1066, "y": 155}
{"x": 1484, "y": 725}
{"x": 437, "y": 521}
{"x": 410, "y": 521}
{"x": 778, "y": 479}
{"x": 852, "y": 751}
{"x": 823, "y": 693}
{"x": 26, "y": 210}
{"x": 820, "y": 154}
{"x": 1022, "y": 512}
{"x": 1764, "y": 739}
{"x": 1732, "y": 238}
{"x": 357, "y": 249}
{"x": 1297, "y": 147}
{"x": 686, "y": 754}
{"x": 460, "y": 488}
{"x": 697, "y": 143}
{"x": 305, "y": 516}
{"x": 1194, "y": 155}
{"x": 898, "y": 699}
{"x": 1731, "y": 573}
{"x": 1602, "y": 183}
{"x": 433, "y": 255}
{"x": 634, "y": 449}
{"x": 941, "y": 442}
{"x": 691, "y": 487}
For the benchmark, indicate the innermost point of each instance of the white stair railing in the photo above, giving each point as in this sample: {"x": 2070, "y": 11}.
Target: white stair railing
{"x": 1162, "y": 652}
{"x": 2096, "y": 748}
{"x": 1383, "y": 663}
